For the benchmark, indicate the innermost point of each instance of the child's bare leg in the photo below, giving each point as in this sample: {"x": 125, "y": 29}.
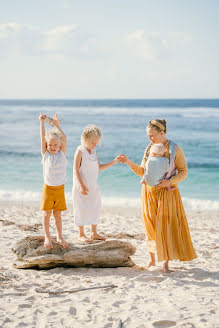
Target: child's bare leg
{"x": 94, "y": 234}
{"x": 152, "y": 261}
{"x": 46, "y": 219}
{"x": 82, "y": 236}
{"x": 58, "y": 224}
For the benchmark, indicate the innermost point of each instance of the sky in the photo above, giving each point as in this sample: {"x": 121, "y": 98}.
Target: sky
{"x": 109, "y": 49}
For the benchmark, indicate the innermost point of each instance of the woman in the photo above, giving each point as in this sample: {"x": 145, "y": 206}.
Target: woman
{"x": 164, "y": 218}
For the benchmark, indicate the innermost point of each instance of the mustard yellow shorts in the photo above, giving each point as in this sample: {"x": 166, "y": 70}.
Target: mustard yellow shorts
{"x": 53, "y": 198}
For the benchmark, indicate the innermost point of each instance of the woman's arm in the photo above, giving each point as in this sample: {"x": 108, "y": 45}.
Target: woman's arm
{"x": 42, "y": 133}
{"x": 107, "y": 165}
{"x": 181, "y": 166}
{"x": 77, "y": 163}
{"x": 134, "y": 167}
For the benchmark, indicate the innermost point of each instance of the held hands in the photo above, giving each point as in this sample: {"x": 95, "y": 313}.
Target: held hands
{"x": 123, "y": 159}
{"x": 116, "y": 159}
{"x": 84, "y": 190}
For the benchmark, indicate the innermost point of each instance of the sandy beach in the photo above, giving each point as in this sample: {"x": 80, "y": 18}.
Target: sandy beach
{"x": 187, "y": 297}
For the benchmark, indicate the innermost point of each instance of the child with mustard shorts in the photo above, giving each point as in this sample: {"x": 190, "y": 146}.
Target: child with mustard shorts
{"x": 53, "y": 150}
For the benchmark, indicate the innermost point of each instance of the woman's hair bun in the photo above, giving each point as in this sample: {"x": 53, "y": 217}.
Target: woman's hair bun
{"x": 164, "y": 121}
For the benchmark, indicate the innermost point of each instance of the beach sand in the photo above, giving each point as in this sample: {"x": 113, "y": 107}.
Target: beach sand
{"x": 187, "y": 297}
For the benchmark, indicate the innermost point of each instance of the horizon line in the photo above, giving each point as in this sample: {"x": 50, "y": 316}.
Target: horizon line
{"x": 178, "y": 98}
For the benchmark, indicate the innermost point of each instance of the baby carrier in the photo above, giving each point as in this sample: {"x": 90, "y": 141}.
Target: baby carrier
{"x": 172, "y": 153}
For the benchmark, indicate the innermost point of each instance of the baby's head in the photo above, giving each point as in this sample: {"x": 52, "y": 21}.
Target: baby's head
{"x": 91, "y": 136}
{"x": 157, "y": 150}
{"x": 54, "y": 141}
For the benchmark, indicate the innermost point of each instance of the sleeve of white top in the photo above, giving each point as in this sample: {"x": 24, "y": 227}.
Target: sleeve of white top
{"x": 45, "y": 155}
{"x": 64, "y": 156}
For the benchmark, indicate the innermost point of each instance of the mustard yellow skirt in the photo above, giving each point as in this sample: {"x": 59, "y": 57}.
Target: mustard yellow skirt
{"x": 166, "y": 227}
{"x": 53, "y": 198}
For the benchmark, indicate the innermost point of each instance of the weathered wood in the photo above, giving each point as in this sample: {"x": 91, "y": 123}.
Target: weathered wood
{"x": 31, "y": 253}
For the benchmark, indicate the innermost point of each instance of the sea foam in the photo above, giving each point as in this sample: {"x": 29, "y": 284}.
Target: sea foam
{"x": 191, "y": 204}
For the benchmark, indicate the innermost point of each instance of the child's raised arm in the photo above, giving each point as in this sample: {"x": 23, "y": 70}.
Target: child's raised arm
{"x": 42, "y": 133}
{"x": 55, "y": 122}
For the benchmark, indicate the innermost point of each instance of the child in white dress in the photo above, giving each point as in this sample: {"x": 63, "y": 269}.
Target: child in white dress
{"x": 53, "y": 149}
{"x": 86, "y": 192}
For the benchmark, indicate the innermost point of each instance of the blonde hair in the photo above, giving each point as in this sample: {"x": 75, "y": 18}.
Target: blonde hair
{"x": 89, "y": 132}
{"x": 157, "y": 149}
{"x": 53, "y": 134}
{"x": 159, "y": 125}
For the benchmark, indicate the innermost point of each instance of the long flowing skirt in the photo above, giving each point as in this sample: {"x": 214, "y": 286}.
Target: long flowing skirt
{"x": 166, "y": 226}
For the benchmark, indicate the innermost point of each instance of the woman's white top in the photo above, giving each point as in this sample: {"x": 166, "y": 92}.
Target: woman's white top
{"x": 54, "y": 168}
{"x": 87, "y": 207}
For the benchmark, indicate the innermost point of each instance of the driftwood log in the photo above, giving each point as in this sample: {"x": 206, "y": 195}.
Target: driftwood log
{"x": 31, "y": 253}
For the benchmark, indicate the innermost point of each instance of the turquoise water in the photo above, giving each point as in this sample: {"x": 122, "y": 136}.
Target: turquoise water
{"x": 193, "y": 124}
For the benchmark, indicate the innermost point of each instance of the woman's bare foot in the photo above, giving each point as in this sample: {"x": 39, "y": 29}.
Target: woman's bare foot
{"x": 151, "y": 263}
{"x": 85, "y": 239}
{"x": 95, "y": 236}
{"x": 166, "y": 267}
{"x": 63, "y": 243}
{"x": 48, "y": 243}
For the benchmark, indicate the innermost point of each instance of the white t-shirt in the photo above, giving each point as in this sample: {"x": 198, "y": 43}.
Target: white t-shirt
{"x": 54, "y": 168}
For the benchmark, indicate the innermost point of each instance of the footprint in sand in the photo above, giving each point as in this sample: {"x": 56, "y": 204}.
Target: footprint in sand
{"x": 39, "y": 320}
{"x": 186, "y": 325}
{"x": 72, "y": 310}
{"x": 164, "y": 323}
{"x": 117, "y": 303}
{"x": 24, "y": 306}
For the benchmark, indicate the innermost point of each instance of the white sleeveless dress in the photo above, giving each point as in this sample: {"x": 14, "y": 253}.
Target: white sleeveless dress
{"x": 87, "y": 207}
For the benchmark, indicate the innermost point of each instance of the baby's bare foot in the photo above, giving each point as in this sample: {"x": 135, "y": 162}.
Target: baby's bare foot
{"x": 84, "y": 239}
{"x": 95, "y": 236}
{"x": 151, "y": 263}
{"x": 63, "y": 243}
{"x": 48, "y": 243}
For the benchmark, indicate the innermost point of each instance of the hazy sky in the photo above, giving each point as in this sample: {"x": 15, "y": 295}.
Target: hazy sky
{"x": 109, "y": 48}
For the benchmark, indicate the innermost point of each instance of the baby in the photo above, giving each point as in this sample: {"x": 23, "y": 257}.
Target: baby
{"x": 156, "y": 167}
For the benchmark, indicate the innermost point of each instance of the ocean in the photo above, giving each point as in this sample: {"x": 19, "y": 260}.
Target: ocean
{"x": 191, "y": 123}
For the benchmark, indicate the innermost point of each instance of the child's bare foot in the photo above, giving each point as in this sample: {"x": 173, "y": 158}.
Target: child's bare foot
{"x": 63, "y": 243}
{"x": 85, "y": 239}
{"x": 95, "y": 236}
{"x": 151, "y": 263}
{"x": 48, "y": 243}
{"x": 139, "y": 268}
